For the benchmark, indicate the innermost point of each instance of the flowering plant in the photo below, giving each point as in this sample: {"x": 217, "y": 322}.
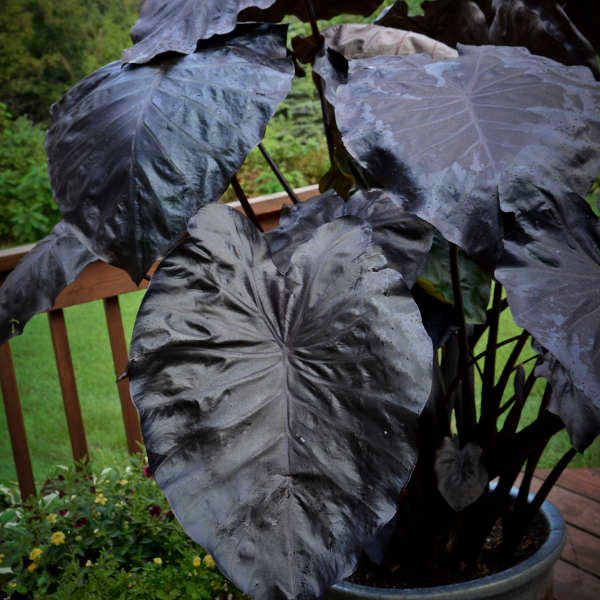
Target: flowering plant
{"x": 309, "y": 394}
{"x": 66, "y": 544}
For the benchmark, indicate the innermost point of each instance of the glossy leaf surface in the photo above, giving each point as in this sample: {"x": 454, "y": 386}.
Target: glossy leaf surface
{"x": 580, "y": 414}
{"x": 551, "y": 272}
{"x": 449, "y": 21}
{"x": 279, "y": 413}
{"x": 178, "y": 25}
{"x": 40, "y": 276}
{"x": 404, "y": 238}
{"x": 543, "y": 27}
{"x": 448, "y": 137}
{"x": 460, "y": 473}
{"x": 357, "y": 40}
{"x": 134, "y": 152}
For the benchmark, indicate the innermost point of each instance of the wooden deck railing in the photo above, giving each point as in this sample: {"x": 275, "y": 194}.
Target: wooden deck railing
{"x": 98, "y": 281}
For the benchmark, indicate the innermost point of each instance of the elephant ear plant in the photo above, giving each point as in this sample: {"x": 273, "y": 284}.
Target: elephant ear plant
{"x": 338, "y": 387}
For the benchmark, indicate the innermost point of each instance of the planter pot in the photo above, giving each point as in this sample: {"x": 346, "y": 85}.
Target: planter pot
{"x": 528, "y": 580}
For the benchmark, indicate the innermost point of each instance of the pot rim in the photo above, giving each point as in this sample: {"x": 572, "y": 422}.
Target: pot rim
{"x": 516, "y": 576}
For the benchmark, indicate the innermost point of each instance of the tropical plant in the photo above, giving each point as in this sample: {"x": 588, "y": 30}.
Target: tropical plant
{"x": 309, "y": 394}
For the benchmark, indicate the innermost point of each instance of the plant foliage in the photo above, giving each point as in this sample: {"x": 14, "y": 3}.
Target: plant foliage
{"x": 309, "y": 394}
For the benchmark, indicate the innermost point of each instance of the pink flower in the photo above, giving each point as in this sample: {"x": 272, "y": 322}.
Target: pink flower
{"x": 148, "y": 472}
{"x": 155, "y": 511}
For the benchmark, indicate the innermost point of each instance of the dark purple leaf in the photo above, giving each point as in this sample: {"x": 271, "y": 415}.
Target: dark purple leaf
{"x": 178, "y": 25}
{"x": 447, "y": 137}
{"x": 280, "y": 412}
{"x": 585, "y": 15}
{"x": 40, "y": 276}
{"x": 461, "y": 474}
{"x": 449, "y": 21}
{"x": 551, "y": 271}
{"x": 134, "y": 152}
{"x": 356, "y": 40}
{"x": 543, "y": 27}
{"x": 580, "y": 414}
{"x": 404, "y": 238}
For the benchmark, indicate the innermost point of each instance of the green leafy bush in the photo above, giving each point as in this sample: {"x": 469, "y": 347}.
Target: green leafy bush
{"x": 100, "y": 537}
{"x": 27, "y": 209}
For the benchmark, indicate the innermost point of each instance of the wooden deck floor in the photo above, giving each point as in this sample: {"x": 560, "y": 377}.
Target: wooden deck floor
{"x": 577, "y": 496}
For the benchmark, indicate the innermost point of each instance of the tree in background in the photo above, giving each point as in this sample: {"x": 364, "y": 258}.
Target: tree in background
{"x": 47, "y": 46}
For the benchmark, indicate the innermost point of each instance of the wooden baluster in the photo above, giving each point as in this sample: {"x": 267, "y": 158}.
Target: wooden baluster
{"x": 16, "y": 426}
{"x": 119, "y": 352}
{"x": 68, "y": 385}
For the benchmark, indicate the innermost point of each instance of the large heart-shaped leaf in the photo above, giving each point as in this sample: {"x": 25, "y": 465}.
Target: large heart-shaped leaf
{"x": 40, "y": 276}
{"x": 551, "y": 271}
{"x": 404, "y": 238}
{"x": 178, "y": 25}
{"x": 280, "y": 413}
{"x": 447, "y": 136}
{"x": 134, "y": 152}
{"x": 544, "y": 28}
{"x": 580, "y": 414}
{"x": 449, "y": 21}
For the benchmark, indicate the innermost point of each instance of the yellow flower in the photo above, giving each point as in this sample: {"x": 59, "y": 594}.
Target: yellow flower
{"x": 158, "y": 561}
{"x": 123, "y": 482}
{"x": 51, "y": 518}
{"x": 12, "y": 583}
{"x": 89, "y": 563}
{"x": 32, "y": 567}
{"x": 197, "y": 561}
{"x": 57, "y": 538}
{"x": 78, "y": 538}
{"x": 1, "y": 558}
{"x": 101, "y": 499}
{"x": 35, "y": 554}
{"x": 209, "y": 561}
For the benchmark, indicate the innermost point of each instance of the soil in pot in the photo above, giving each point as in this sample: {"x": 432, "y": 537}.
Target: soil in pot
{"x": 411, "y": 575}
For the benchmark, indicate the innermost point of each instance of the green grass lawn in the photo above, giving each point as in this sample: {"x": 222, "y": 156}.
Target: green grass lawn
{"x": 42, "y": 401}
{"x": 41, "y": 397}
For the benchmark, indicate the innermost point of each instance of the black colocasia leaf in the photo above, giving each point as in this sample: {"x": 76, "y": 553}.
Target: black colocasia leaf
{"x": 449, "y": 21}
{"x": 280, "y": 412}
{"x": 551, "y": 272}
{"x": 580, "y": 414}
{"x": 40, "y": 276}
{"x": 404, "y": 238}
{"x": 446, "y": 138}
{"x": 543, "y": 27}
{"x": 178, "y": 25}
{"x": 135, "y": 151}
{"x": 461, "y": 474}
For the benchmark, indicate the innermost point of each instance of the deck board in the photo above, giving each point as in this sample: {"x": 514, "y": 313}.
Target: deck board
{"x": 577, "y": 496}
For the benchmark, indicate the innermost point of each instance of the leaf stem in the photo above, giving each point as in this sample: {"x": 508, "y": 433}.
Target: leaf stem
{"x": 239, "y": 192}
{"x": 465, "y": 406}
{"x": 282, "y": 180}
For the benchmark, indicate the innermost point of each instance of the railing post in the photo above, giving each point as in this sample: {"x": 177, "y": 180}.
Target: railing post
{"x": 114, "y": 322}
{"x": 68, "y": 385}
{"x": 16, "y": 425}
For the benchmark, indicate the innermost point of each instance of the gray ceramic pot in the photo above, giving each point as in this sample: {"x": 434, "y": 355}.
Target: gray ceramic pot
{"x": 529, "y": 580}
